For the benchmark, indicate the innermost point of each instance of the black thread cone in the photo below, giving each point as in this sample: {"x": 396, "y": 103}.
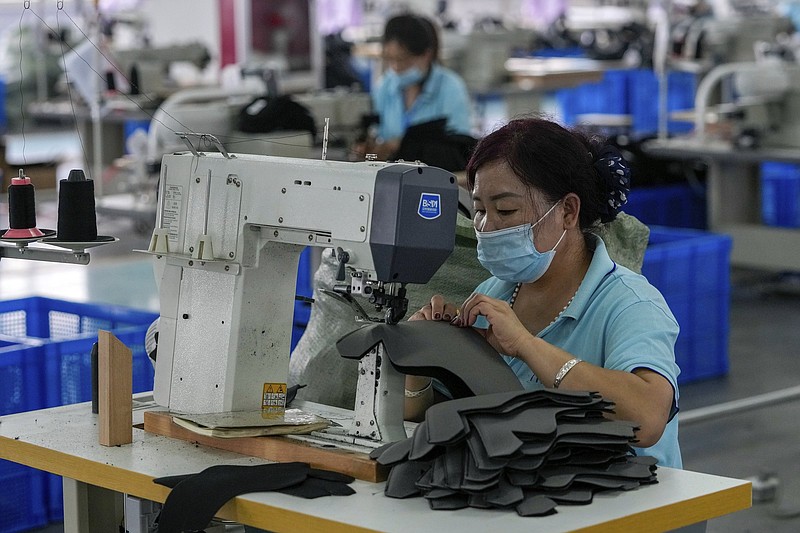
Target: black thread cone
{"x": 77, "y": 219}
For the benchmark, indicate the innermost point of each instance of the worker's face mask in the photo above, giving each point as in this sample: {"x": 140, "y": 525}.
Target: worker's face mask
{"x": 510, "y": 255}
{"x": 409, "y": 77}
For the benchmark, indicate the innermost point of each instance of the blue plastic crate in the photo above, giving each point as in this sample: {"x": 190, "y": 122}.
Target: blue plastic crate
{"x": 131, "y": 126}
{"x": 66, "y": 332}
{"x": 22, "y": 497}
{"x": 54, "y": 357}
{"x": 571, "y": 51}
{"x": 643, "y": 92}
{"x": 20, "y": 376}
{"x": 780, "y": 194}
{"x": 691, "y": 268}
{"x": 22, "y": 504}
{"x": 679, "y": 205}
{"x": 609, "y": 95}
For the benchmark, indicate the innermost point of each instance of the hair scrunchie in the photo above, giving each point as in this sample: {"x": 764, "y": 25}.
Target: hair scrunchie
{"x": 615, "y": 175}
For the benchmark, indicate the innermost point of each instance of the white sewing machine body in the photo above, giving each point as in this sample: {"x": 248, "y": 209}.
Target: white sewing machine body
{"x": 765, "y": 112}
{"x": 229, "y": 232}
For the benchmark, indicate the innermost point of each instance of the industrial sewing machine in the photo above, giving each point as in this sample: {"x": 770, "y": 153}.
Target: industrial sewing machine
{"x": 147, "y": 68}
{"x": 763, "y": 110}
{"x": 229, "y": 232}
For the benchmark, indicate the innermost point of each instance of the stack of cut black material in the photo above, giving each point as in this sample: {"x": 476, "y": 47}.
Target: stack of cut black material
{"x": 528, "y": 450}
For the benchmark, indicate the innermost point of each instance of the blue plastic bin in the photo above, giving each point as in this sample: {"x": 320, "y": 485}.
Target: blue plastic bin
{"x": 59, "y": 368}
{"x": 644, "y": 100}
{"x": 780, "y": 194}
{"x": 22, "y": 498}
{"x": 608, "y": 96}
{"x": 678, "y": 205}
{"x": 23, "y": 502}
{"x": 131, "y": 126}
{"x": 20, "y": 375}
{"x": 691, "y": 268}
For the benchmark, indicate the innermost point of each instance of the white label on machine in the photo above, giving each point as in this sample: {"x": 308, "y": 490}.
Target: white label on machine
{"x": 171, "y": 214}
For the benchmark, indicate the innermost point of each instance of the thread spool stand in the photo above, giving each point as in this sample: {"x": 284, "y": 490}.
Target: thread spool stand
{"x": 22, "y": 239}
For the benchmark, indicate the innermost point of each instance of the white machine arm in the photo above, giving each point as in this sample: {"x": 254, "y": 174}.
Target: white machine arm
{"x": 228, "y": 237}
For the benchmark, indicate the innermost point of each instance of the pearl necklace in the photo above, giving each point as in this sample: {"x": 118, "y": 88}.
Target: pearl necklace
{"x": 514, "y": 299}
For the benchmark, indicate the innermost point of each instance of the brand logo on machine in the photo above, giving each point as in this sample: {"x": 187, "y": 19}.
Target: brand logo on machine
{"x": 430, "y": 205}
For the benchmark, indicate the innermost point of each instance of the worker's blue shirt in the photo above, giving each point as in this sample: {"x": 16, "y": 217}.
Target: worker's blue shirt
{"x": 443, "y": 95}
{"x": 617, "y": 320}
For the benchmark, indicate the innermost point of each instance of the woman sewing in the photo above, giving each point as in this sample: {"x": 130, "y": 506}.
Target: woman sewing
{"x": 559, "y": 309}
{"x": 415, "y": 88}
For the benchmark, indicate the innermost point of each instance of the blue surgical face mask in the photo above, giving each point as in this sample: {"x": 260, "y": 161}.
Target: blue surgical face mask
{"x": 409, "y": 77}
{"x": 509, "y": 254}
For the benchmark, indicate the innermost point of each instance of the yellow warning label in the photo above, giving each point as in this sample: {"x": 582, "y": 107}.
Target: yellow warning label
{"x": 274, "y": 397}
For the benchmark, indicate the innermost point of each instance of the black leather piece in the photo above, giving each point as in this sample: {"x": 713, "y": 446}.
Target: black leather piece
{"x": 572, "y": 496}
{"x": 446, "y": 420}
{"x": 482, "y": 459}
{"x": 536, "y": 505}
{"x": 604, "y": 483}
{"x": 612, "y": 428}
{"x": 402, "y": 480}
{"x": 377, "y": 452}
{"x": 437, "y": 494}
{"x": 171, "y": 481}
{"x": 395, "y": 453}
{"x": 449, "y": 503}
{"x": 528, "y": 450}
{"x": 460, "y": 358}
{"x": 195, "y": 500}
{"x": 330, "y": 475}
{"x": 314, "y": 487}
{"x": 505, "y": 494}
{"x": 291, "y": 393}
{"x": 421, "y": 449}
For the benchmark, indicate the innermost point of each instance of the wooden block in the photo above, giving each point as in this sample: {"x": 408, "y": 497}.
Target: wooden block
{"x": 114, "y": 390}
{"x": 279, "y": 449}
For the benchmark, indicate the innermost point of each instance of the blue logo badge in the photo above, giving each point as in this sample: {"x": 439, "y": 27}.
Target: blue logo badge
{"x": 430, "y": 205}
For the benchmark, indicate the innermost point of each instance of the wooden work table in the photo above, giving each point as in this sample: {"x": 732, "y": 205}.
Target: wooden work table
{"x": 64, "y": 441}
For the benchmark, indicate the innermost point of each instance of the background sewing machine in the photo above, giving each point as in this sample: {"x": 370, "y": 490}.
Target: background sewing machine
{"x": 228, "y": 237}
{"x": 147, "y": 69}
{"x": 761, "y": 110}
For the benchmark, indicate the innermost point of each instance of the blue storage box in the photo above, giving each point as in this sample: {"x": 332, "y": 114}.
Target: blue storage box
{"x": 780, "y": 194}
{"x": 22, "y": 500}
{"x": 57, "y": 337}
{"x": 67, "y": 331}
{"x": 691, "y": 268}
{"x": 22, "y": 497}
{"x": 20, "y": 375}
{"x": 608, "y": 96}
{"x": 131, "y": 126}
{"x": 643, "y": 92}
{"x": 679, "y": 205}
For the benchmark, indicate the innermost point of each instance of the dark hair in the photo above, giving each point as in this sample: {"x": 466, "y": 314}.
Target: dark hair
{"x": 554, "y": 160}
{"x": 415, "y": 33}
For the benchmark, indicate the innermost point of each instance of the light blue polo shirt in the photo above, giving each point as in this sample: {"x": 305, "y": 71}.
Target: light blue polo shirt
{"x": 617, "y": 320}
{"x": 444, "y": 95}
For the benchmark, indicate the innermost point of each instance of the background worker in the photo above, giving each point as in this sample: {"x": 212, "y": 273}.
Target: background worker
{"x": 415, "y": 89}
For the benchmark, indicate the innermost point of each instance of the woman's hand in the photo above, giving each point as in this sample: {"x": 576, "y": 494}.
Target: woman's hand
{"x": 438, "y": 309}
{"x": 506, "y": 333}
